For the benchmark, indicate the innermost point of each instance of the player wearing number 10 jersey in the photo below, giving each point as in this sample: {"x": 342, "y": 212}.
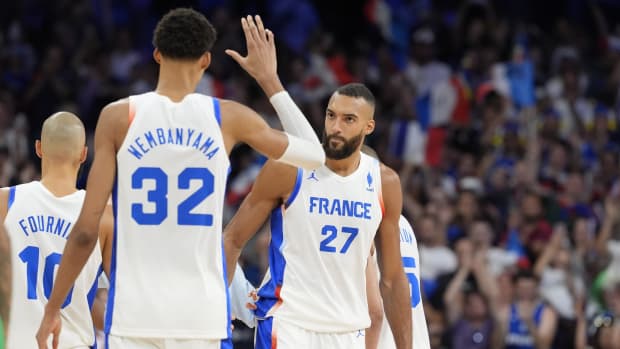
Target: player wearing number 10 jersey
{"x": 38, "y": 217}
{"x": 323, "y": 223}
{"x": 164, "y": 157}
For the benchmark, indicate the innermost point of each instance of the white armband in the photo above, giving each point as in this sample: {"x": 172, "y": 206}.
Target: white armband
{"x": 302, "y": 153}
{"x": 293, "y": 120}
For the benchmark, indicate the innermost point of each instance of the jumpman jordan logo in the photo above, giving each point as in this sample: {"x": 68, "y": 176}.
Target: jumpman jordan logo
{"x": 313, "y": 176}
{"x": 359, "y": 334}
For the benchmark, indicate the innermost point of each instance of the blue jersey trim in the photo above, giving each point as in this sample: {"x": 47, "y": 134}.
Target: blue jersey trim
{"x": 268, "y": 294}
{"x": 112, "y": 291}
{"x": 295, "y": 188}
{"x": 92, "y": 293}
{"x": 11, "y": 197}
{"x": 264, "y": 332}
{"x": 216, "y": 111}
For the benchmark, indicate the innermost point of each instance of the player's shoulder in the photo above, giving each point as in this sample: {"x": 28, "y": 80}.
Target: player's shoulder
{"x": 230, "y": 108}
{"x": 388, "y": 175}
{"x": 115, "y": 110}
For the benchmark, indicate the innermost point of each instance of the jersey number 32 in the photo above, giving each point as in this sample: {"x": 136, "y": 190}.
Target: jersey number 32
{"x": 159, "y": 196}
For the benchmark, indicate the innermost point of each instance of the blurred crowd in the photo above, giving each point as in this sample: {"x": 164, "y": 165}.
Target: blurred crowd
{"x": 502, "y": 118}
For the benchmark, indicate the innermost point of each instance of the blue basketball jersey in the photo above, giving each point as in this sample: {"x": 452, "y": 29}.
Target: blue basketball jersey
{"x": 518, "y": 336}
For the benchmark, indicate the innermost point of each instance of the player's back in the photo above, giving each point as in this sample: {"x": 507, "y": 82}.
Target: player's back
{"x": 39, "y": 223}
{"x": 411, "y": 260}
{"x": 167, "y": 272}
{"x": 320, "y": 243}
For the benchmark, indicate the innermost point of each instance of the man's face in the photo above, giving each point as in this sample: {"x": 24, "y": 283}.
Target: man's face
{"x": 347, "y": 121}
{"x": 526, "y": 289}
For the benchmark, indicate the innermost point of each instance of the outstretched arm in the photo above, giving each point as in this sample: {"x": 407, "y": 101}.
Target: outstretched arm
{"x": 393, "y": 284}
{"x": 274, "y": 182}
{"x": 85, "y": 233}
{"x": 301, "y": 145}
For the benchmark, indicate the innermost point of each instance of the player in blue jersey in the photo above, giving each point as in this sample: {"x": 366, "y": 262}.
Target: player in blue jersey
{"x": 527, "y": 323}
{"x": 163, "y": 156}
{"x": 323, "y": 223}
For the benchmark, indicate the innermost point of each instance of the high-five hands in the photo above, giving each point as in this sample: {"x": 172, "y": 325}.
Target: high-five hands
{"x": 260, "y": 62}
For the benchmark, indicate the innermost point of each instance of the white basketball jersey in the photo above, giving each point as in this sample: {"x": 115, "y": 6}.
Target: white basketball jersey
{"x": 320, "y": 242}
{"x": 39, "y": 224}
{"x": 167, "y": 272}
{"x": 409, "y": 253}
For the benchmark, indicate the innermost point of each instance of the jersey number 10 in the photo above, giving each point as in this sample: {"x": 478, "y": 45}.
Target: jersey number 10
{"x": 159, "y": 196}
{"x": 30, "y": 256}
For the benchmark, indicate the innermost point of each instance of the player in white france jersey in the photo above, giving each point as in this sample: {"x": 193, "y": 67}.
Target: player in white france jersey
{"x": 38, "y": 217}
{"x": 323, "y": 223}
{"x": 411, "y": 263}
{"x": 164, "y": 157}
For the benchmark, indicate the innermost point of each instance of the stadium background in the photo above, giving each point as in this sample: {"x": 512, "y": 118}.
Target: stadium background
{"x": 502, "y": 118}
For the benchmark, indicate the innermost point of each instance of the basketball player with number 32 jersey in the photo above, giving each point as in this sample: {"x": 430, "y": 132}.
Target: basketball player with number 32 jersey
{"x": 164, "y": 157}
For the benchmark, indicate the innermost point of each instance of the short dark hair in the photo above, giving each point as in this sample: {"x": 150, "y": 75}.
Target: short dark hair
{"x": 524, "y": 273}
{"x": 184, "y": 33}
{"x": 357, "y": 90}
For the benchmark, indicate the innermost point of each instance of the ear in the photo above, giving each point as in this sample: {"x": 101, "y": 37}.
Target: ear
{"x": 205, "y": 60}
{"x": 83, "y": 155}
{"x": 370, "y": 127}
{"x": 37, "y": 148}
{"x": 157, "y": 56}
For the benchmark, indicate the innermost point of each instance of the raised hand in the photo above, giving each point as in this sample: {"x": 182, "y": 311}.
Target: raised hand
{"x": 261, "y": 61}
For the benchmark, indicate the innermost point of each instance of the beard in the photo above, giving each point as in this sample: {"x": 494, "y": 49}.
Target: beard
{"x": 348, "y": 146}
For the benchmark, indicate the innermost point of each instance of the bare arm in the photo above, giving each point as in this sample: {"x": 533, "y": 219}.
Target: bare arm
{"x": 484, "y": 277}
{"x": 550, "y": 250}
{"x": 611, "y": 217}
{"x": 85, "y": 233}
{"x": 393, "y": 284}
{"x": 273, "y": 183}
{"x": 454, "y": 296}
{"x": 543, "y": 336}
{"x": 106, "y": 235}
{"x": 5, "y": 276}
{"x": 375, "y": 306}
{"x": 500, "y": 327}
{"x": 98, "y": 310}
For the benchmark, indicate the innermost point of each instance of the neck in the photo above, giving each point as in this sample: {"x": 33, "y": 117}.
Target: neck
{"x": 177, "y": 80}
{"x": 346, "y": 166}
{"x": 59, "y": 178}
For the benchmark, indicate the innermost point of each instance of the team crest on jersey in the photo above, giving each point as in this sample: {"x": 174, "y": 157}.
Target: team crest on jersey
{"x": 369, "y": 180}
